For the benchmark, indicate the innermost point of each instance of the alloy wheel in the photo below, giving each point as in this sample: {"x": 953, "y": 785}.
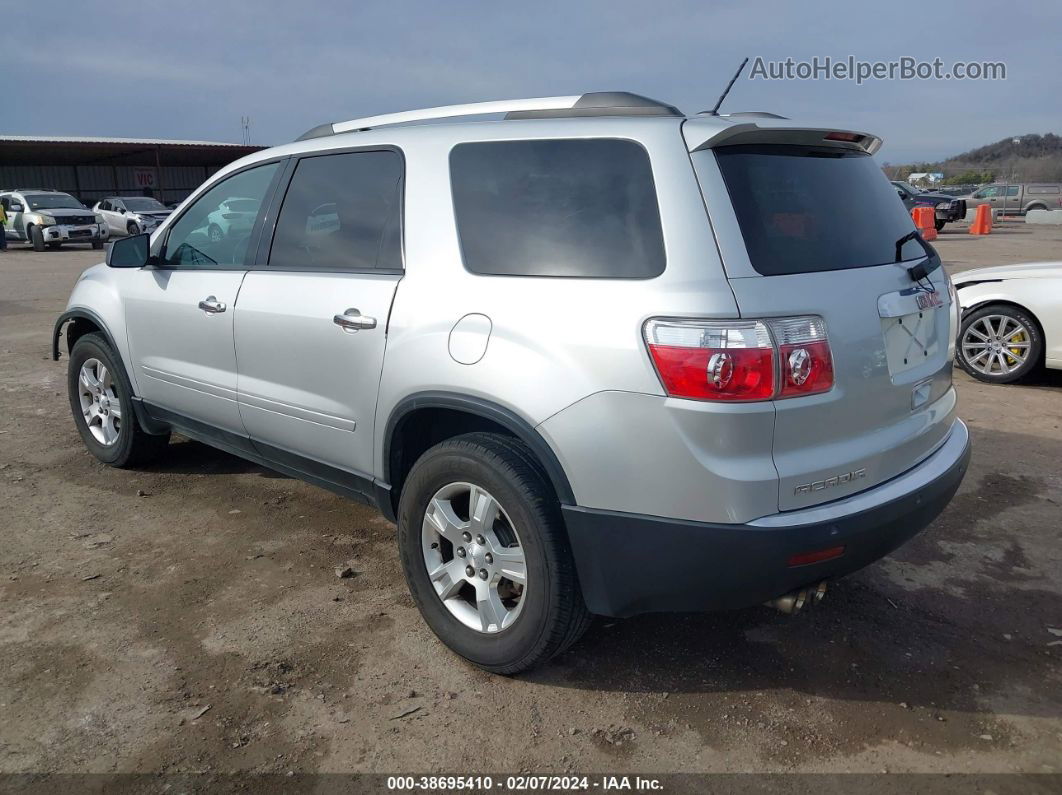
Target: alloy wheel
{"x": 100, "y": 405}
{"x": 996, "y": 345}
{"x": 473, "y": 557}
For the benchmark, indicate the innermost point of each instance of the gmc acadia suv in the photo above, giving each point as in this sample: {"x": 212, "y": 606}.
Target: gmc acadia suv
{"x": 595, "y": 357}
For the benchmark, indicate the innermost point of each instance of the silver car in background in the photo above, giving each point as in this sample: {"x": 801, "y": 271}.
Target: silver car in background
{"x": 131, "y": 215}
{"x": 596, "y": 357}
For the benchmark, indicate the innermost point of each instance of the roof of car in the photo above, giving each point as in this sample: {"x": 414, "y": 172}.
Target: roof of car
{"x": 607, "y": 114}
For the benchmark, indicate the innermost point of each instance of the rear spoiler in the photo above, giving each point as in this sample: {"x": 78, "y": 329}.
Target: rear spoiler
{"x": 705, "y": 132}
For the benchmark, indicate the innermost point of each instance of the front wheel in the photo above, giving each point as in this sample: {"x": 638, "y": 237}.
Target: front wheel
{"x": 485, "y": 554}
{"x": 97, "y": 244}
{"x": 938, "y": 224}
{"x": 101, "y": 402}
{"x": 36, "y": 238}
{"x": 999, "y": 344}
{"x": 133, "y": 228}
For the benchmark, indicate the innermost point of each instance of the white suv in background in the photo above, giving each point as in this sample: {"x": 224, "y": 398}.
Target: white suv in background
{"x": 596, "y": 357}
{"x": 131, "y": 215}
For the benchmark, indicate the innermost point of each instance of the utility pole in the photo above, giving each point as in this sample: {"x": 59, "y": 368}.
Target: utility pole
{"x": 245, "y": 126}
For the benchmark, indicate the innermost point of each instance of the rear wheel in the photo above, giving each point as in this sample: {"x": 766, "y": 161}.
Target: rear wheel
{"x": 36, "y": 237}
{"x": 485, "y": 554}
{"x": 999, "y": 344}
{"x": 101, "y": 402}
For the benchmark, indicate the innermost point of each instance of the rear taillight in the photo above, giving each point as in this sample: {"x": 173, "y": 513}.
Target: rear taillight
{"x": 741, "y": 360}
{"x": 804, "y": 353}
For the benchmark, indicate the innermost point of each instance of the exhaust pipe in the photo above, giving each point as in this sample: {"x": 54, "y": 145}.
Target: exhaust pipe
{"x": 795, "y": 601}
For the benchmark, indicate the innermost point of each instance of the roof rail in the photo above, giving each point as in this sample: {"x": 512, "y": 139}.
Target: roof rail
{"x": 601, "y": 103}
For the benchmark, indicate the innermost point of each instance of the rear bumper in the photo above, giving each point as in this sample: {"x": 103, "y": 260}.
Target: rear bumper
{"x": 630, "y": 564}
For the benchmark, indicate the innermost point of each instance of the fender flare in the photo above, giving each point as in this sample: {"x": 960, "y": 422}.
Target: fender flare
{"x": 73, "y": 314}
{"x": 514, "y": 423}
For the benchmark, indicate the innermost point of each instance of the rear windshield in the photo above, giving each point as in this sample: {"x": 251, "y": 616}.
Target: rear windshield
{"x": 805, "y": 209}
{"x": 577, "y": 208}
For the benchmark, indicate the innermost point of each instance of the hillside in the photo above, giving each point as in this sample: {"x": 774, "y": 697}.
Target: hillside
{"x": 1034, "y": 158}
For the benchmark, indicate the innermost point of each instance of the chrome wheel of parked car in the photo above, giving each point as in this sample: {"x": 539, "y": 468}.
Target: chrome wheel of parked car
{"x": 996, "y": 345}
{"x": 99, "y": 402}
{"x": 473, "y": 557}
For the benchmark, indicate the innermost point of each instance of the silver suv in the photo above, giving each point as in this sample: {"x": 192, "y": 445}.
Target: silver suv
{"x": 596, "y": 357}
{"x": 50, "y": 218}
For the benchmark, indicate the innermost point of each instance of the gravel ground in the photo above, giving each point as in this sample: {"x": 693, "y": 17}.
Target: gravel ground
{"x": 188, "y": 617}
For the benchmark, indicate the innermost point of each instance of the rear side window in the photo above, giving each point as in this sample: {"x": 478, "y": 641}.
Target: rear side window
{"x": 1043, "y": 189}
{"x": 575, "y": 208}
{"x": 342, "y": 212}
{"x": 803, "y": 210}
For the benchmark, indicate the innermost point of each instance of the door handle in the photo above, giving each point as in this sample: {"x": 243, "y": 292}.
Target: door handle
{"x": 353, "y": 320}
{"x": 212, "y": 305}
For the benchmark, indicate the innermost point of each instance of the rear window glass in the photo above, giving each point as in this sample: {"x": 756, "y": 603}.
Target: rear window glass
{"x": 576, "y": 208}
{"x": 804, "y": 209}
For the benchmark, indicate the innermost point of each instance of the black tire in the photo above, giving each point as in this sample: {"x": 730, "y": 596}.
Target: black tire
{"x": 134, "y": 446}
{"x": 97, "y": 244}
{"x": 938, "y": 224}
{"x": 132, "y": 228}
{"x": 553, "y": 615}
{"x": 1033, "y": 358}
{"x": 54, "y": 246}
{"x": 36, "y": 237}
{"x": 1036, "y": 207}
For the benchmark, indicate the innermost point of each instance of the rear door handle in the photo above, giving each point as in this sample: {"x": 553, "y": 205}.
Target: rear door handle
{"x": 212, "y": 305}
{"x": 354, "y": 320}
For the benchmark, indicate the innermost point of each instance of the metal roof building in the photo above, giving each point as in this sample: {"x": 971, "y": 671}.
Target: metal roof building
{"x": 91, "y": 168}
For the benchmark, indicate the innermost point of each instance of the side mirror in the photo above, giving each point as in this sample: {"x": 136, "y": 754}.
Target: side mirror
{"x": 16, "y": 207}
{"x": 130, "y": 252}
{"x": 122, "y": 211}
{"x": 901, "y": 193}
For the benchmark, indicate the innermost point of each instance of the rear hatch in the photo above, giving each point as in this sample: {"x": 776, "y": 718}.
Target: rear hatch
{"x": 813, "y": 229}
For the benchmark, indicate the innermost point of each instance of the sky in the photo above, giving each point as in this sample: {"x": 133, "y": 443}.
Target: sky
{"x": 191, "y": 69}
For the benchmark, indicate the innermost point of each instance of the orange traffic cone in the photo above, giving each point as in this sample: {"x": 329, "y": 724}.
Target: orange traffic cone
{"x": 982, "y": 224}
{"x": 925, "y": 221}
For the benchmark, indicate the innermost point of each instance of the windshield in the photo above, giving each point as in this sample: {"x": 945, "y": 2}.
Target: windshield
{"x": 806, "y": 209}
{"x": 143, "y": 204}
{"x": 907, "y": 186}
{"x": 53, "y": 201}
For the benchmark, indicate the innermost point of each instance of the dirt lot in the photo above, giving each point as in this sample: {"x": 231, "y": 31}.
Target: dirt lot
{"x": 188, "y": 618}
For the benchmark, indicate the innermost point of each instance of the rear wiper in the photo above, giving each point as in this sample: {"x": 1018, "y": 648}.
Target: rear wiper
{"x": 912, "y": 235}
{"x": 922, "y": 269}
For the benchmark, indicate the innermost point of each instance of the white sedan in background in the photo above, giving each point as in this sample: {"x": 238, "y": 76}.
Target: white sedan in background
{"x": 1011, "y": 320}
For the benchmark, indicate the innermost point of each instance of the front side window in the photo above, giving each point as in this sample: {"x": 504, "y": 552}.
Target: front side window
{"x": 342, "y": 212}
{"x": 214, "y": 234}
{"x": 1012, "y": 190}
{"x": 575, "y": 208}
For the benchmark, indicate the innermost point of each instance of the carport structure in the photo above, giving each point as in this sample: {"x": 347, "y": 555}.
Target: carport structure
{"x": 91, "y": 168}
